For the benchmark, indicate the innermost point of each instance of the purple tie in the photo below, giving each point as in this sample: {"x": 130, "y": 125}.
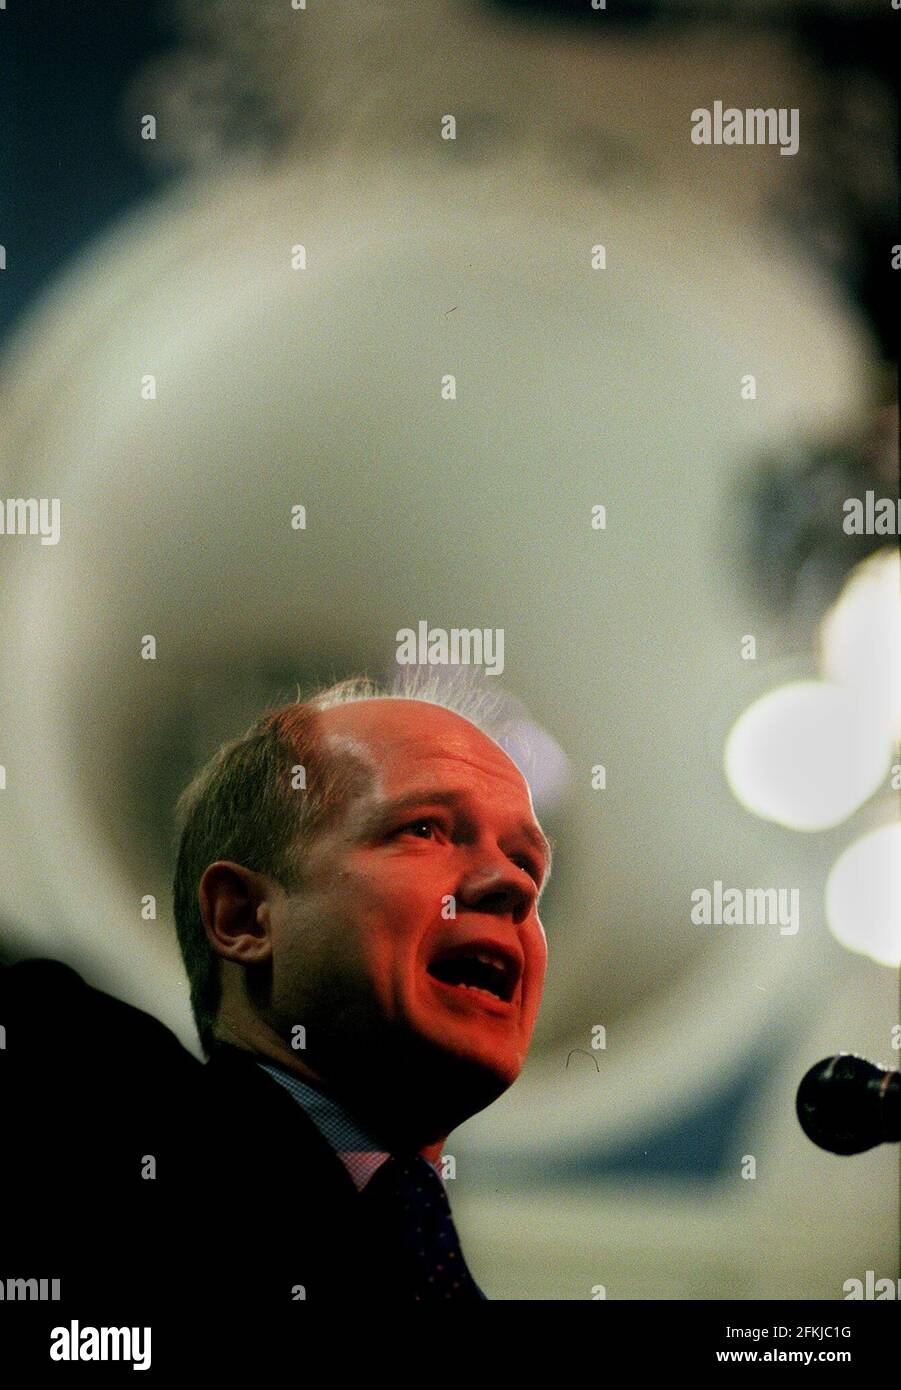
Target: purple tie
{"x": 408, "y": 1203}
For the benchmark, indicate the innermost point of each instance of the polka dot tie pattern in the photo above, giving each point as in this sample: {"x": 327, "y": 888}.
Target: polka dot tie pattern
{"x": 407, "y": 1199}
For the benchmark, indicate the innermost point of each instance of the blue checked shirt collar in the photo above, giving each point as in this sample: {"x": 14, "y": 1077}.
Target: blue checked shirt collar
{"x": 359, "y": 1153}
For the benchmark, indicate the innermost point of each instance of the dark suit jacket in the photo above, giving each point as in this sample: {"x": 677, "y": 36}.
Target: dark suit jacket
{"x": 247, "y": 1194}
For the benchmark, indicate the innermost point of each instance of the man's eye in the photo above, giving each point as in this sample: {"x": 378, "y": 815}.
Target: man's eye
{"x": 531, "y": 869}
{"x": 411, "y": 827}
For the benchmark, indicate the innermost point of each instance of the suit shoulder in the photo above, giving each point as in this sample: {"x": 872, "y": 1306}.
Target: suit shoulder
{"x": 51, "y": 1014}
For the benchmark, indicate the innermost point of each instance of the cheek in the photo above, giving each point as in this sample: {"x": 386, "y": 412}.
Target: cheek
{"x": 405, "y": 892}
{"x": 367, "y": 921}
{"x": 538, "y": 961}
{"x": 421, "y": 876}
{"x": 382, "y": 917}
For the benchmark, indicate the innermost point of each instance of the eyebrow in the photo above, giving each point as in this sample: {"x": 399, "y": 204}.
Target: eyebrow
{"x": 388, "y": 810}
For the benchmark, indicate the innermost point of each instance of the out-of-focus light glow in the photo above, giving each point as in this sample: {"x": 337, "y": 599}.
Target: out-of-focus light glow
{"x": 861, "y": 637}
{"x": 863, "y": 896}
{"x": 806, "y": 755}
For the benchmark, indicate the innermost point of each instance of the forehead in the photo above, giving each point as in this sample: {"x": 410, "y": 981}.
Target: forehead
{"x": 411, "y": 741}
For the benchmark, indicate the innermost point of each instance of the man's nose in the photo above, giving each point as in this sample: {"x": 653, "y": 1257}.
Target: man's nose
{"x": 499, "y": 890}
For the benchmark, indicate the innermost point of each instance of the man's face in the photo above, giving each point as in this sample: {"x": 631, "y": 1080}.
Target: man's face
{"x": 447, "y": 827}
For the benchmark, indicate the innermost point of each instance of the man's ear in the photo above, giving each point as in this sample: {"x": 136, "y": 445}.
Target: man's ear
{"x": 236, "y": 908}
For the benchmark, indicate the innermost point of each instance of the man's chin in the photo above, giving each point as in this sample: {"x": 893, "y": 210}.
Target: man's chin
{"x": 429, "y": 1076}
{"x": 464, "y": 1056}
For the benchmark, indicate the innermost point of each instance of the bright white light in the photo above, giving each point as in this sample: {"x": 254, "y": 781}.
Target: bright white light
{"x": 861, "y": 637}
{"x": 863, "y": 896}
{"x": 806, "y": 755}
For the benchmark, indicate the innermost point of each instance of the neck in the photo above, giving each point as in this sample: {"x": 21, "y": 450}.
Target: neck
{"x": 260, "y": 1043}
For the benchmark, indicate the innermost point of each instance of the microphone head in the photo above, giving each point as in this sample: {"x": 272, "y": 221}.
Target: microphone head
{"x": 840, "y": 1104}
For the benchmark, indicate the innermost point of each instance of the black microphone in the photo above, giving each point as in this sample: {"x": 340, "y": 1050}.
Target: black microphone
{"x": 848, "y": 1105}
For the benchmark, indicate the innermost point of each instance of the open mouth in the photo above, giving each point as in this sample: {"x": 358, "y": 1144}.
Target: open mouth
{"x": 488, "y": 972}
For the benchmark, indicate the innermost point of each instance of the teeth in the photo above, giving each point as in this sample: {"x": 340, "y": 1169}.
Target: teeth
{"x": 499, "y": 973}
